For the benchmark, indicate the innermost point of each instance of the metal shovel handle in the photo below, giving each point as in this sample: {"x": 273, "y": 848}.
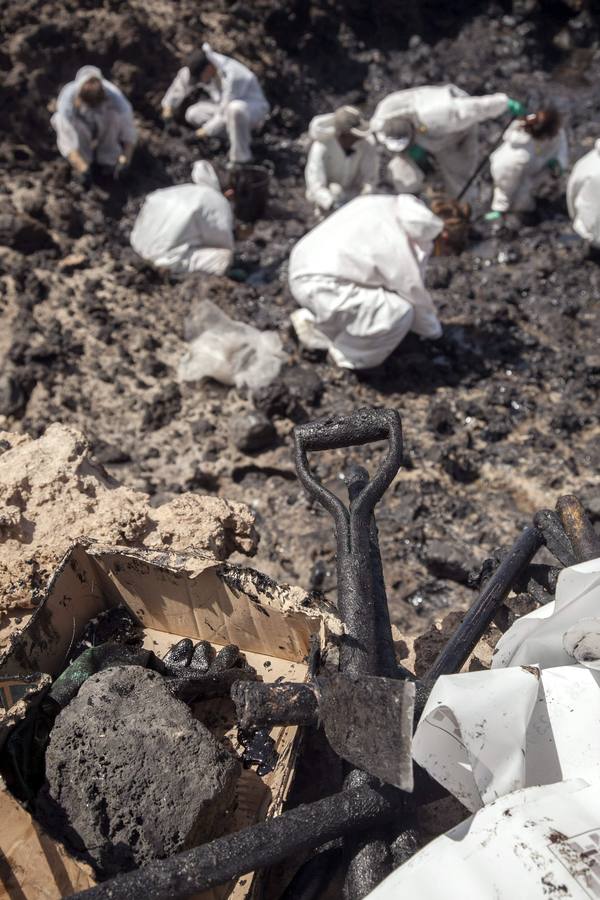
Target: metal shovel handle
{"x": 335, "y": 432}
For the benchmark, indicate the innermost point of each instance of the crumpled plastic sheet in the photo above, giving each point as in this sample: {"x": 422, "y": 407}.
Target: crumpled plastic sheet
{"x": 541, "y": 842}
{"x": 532, "y": 718}
{"x": 229, "y": 351}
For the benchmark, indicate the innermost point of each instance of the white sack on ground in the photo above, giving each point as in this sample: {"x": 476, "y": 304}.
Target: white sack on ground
{"x": 527, "y": 720}
{"x": 228, "y": 351}
{"x": 583, "y": 196}
{"x": 536, "y": 844}
{"x": 187, "y": 227}
{"x": 360, "y": 274}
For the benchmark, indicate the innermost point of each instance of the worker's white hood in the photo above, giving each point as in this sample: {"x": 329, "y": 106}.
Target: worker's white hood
{"x": 85, "y": 73}
{"x": 417, "y": 220}
{"x": 203, "y": 173}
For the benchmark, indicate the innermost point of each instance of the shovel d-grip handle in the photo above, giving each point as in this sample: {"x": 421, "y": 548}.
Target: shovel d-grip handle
{"x": 357, "y": 598}
{"x": 335, "y": 432}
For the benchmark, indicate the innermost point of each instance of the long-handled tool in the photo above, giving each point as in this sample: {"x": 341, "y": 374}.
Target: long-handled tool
{"x": 485, "y": 159}
{"x": 361, "y": 595}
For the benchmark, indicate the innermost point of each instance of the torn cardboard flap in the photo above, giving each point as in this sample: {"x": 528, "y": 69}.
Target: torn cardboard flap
{"x": 173, "y": 596}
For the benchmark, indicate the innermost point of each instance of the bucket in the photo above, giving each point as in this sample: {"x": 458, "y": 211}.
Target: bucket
{"x": 456, "y": 218}
{"x": 251, "y": 192}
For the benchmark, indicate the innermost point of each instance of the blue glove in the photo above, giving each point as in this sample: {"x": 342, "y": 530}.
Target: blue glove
{"x": 516, "y": 108}
{"x": 493, "y": 216}
{"x": 555, "y": 167}
{"x": 417, "y": 153}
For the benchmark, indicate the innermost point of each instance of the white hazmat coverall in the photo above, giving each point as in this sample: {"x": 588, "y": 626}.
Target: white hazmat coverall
{"x": 188, "y": 227}
{"x": 358, "y": 277}
{"x": 445, "y": 121}
{"x": 518, "y": 165}
{"x": 237, "y": 104}
{"x": 583, "y": 196}
{"x": 97, "y": 133}
{"x": 334, "y": 176}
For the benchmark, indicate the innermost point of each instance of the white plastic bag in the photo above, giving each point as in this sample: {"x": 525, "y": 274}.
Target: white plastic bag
{"x": 536, "y": 844}
{"x": 228, "y": 351}
{"x": 531, "y": 718}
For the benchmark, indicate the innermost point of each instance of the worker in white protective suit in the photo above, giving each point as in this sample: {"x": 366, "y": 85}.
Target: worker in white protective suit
{"x": 583, "y": 196}
{"x": 188, "y": 227}
{"x": 530, "y": 146}
{"x": 358, "y": 277}
{"x": 342, "y": 160}
{"x": 94, "y": 124}
{"x": 237, "y": 105}
{"x": 440, "y": 122}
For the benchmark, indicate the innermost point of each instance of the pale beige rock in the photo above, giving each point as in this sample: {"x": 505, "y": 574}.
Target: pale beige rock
{"x": 52, "y": 493}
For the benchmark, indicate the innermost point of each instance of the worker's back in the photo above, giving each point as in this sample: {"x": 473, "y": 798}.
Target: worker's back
{"x": 195, "y": 215}
{"x": 583, "y": 195}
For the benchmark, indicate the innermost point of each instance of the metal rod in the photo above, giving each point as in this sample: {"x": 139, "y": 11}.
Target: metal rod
{"x": 494, "y": 146}
{"x": 255, "y": 847}
{"x": 579, "y": 529}
{"x": 555, "y": 537}
{"x": 481, "y": 613}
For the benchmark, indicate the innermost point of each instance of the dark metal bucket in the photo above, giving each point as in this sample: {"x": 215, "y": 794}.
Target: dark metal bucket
{"x": 251, "y": 192}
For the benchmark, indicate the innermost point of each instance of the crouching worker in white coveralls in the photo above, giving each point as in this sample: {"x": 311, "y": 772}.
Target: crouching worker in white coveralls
{"x": 237, "y": 105}
{"x": 441, "y": 122}
{"x": 583, "y": 196}
{"x": 342, "y": 161}
{"x": 94, "y": 124}
{"x": 530, "y": 146}
{"x": 188, "y": 227}
{"x": 359, "y": 278}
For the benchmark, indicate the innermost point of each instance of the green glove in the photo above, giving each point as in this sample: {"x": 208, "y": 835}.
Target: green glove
{"x": 516, "y": 108}
{"x": 492, "y": 216}
{"x": 417, "y": 153}
{"x": 555, "y": 166}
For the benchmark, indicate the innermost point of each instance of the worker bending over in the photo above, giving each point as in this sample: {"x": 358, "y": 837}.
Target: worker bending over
{"x": 237, "y": 105}
{"x": 94, "y": 124}
{"x": 441, "y": 122}
{"x": 583, "y": 196}
{"x": 359, "y": 278}
{"x": 531, "y": 146}
{"x": 188, "y": 227}
{"x": 342, "y": 160}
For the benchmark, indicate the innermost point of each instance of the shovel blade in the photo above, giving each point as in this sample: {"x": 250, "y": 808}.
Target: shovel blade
{"x": 368, "y": 721}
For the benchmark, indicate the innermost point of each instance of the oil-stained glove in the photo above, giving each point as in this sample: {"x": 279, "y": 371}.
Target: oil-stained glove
{"x": 515, "y": 107}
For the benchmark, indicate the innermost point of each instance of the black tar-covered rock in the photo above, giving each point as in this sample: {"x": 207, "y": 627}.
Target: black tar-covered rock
{"x": 131, "y": 775}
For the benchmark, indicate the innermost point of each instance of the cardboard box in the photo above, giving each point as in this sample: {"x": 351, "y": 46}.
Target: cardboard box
{"x": 173, "y": 596}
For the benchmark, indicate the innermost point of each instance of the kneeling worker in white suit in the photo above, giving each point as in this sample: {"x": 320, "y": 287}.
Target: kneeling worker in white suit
{"x": 441, "y": 121}
{"x": 583, "y": 196}
{"x": 188, "y": 227}
{"x": 342, "y": 160}
{"x": 94, "y": 124}
{"x": 236, "y": 106}
{"x": 359, "y": 278}
{"x": 530, "y": 146}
